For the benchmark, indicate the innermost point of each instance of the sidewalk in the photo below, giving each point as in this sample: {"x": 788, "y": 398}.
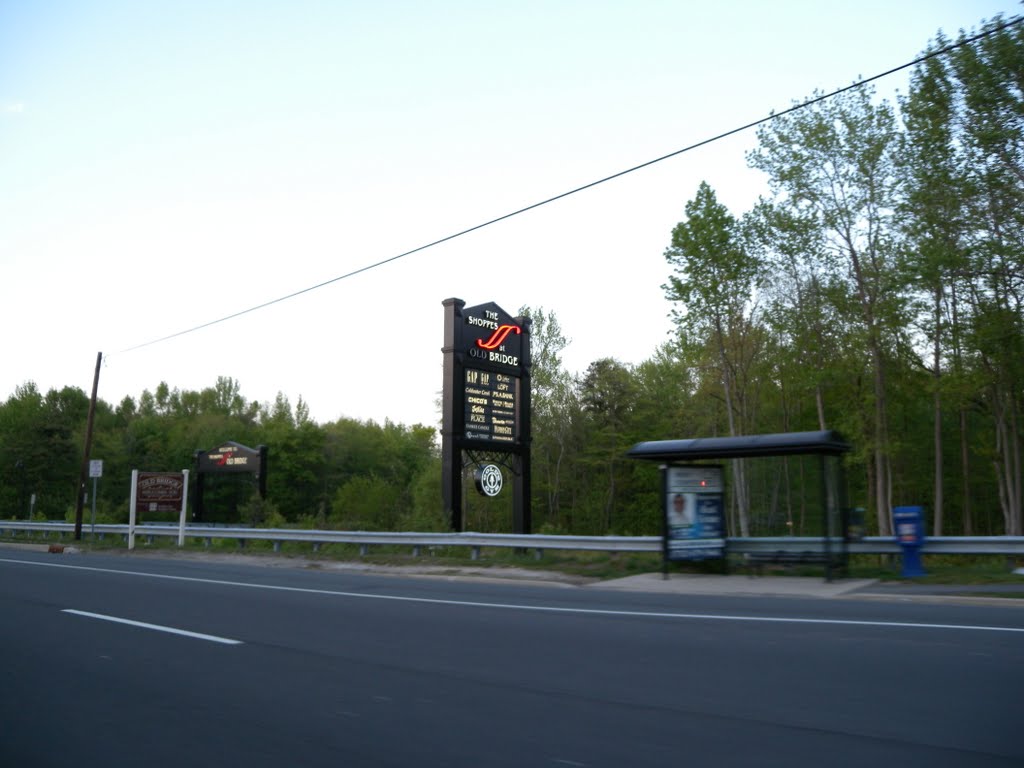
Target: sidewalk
{"x": 1006, "y": 593}
{"x": 750, "y": 586}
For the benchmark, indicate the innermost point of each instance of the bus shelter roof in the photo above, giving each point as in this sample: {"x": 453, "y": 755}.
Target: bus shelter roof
{"x": 825, "y": 442}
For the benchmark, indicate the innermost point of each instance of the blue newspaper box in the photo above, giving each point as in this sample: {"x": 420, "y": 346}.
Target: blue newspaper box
{"x": 909, "y": 525}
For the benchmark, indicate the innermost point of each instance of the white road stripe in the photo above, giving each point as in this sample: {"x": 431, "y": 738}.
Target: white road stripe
{"x": 157, "y": 627}
{"x": 538, "y": 608}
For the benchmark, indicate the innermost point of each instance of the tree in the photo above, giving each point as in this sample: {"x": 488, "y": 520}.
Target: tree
{"x": 800, "y": 313}
{"x": 963, "y": 156}
{"x": 40, "y": 449}
{"x": 666, "y": 389}
{"x": 606, "y": 394}
{"x": 714, "y": 284}
{"x": 833, "y": 164}
{"x": 992, "y": 120}
{"x": 553, "y": 401}
{"x": 295, "y": 448}
{"x": 935, "y": 226}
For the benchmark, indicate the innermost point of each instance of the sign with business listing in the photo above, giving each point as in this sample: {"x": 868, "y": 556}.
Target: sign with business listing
{"x": 491, "y": 343}
{"x": 157, "y": 492}
{"x": 491, "y": 412}
{"x": 485, "y": 403}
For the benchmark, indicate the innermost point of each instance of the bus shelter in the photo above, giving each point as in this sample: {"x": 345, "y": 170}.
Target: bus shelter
{"x": 682, "y": 477}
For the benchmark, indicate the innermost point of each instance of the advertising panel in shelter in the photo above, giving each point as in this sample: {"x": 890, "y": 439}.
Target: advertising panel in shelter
{"x": 694, "y": 522}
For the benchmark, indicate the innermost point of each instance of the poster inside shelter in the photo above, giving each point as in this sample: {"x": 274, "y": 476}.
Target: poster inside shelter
{"x": 694, "y": 522}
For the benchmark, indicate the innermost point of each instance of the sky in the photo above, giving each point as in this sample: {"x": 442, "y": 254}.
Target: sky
{"x": 166, "y": 165}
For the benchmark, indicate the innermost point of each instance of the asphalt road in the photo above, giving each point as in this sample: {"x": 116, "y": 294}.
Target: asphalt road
{"x": 229, "y": 665}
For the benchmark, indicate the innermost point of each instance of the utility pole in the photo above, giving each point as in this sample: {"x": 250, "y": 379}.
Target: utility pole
{"x": 84, "y": 475}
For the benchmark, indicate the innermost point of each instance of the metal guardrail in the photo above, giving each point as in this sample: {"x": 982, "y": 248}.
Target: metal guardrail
{"x": 364, "y": 539}
{"x": 881, "y": 545}
{"x": 789, "y": 545}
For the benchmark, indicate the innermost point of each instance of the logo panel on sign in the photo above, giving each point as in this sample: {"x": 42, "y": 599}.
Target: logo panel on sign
{"x": 489, "y": 480}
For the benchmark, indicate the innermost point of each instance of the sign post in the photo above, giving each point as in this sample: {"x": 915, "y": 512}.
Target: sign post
{"x": 184, "y": 503}
{"x": 132, "y": 509}
{"x": 95, "y": 472}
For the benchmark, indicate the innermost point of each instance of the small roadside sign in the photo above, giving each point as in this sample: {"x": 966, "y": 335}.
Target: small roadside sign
{"x": 96, "y": 468}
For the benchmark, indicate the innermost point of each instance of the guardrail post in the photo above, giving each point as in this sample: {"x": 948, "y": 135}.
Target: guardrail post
{"x": 474, "y": 553}
{"x": 316, "y": 546}
{"x": 241, "y": 543}
{"x": 277, "y": 546}
{"x": 363, "y": 549}
{"x": 207, "y": 542}
{"x": 416, "y": 551}
{"x": 149, "y": 539}
{"x": 538, "y": 554}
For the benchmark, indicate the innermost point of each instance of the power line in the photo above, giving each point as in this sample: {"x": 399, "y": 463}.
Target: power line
{"x": 772, "y": 116}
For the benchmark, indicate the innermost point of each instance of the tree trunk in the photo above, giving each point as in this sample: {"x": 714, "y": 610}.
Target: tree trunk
{"x": 937, "y": 415}
{"x": 819, "y": 400}
{"x": 1008, "y": 463}
{"x": 965, "y": 470}
{"x": 937, "y": 530}
{"x": 869, "y": 471}
{"x": 883, "y": 480}
{"x": 739, "y": 483}
{"x": 610, "y": 503}
{"x": 880, "y": 448}
{"x": 1017, "y": 494}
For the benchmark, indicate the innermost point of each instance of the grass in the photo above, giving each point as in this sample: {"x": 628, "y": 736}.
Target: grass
{"x": 940, "y": 569}
{"x": 597, "y": 565}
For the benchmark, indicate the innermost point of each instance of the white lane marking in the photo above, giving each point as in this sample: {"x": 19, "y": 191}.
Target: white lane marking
{"x": 520, "y": 607}
{"x": 157, "y": 627}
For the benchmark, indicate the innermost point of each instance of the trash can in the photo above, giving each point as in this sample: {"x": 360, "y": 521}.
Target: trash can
{"x": 909, "y": 525}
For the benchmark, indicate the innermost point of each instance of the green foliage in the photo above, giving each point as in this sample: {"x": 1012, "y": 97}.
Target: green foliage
{"x": 310, "y": 467}
{"x": 427, "y": 510}
{"x": 556, "y": 420}
{"x": 366, "y": 503}
{"x": 40, "y": 439}
{"x": 261, "y": 513}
